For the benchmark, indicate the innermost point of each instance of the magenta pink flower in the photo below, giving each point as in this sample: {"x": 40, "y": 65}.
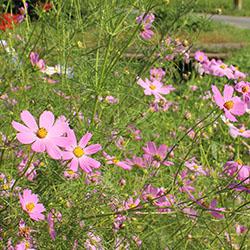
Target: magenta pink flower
{"x": 240, "y": 229}
{"x": 79, "y": 153}
{"x": 155, "y": 88}
{"x": 29, "y": 203}
{"x": 48, "y": 136}
{"x": 238, "y": 170}
{"x": 230, "y": 105}
{"x": 215, "y": 211}
{"x": 113, "y": 160}
{"x": 158, "y": 154}
{"x": 151, "y": 193}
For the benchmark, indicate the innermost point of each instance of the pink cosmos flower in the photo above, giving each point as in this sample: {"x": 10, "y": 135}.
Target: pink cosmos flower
{"x": 36, "y": 61}
{"x": 194, "y": 167}
{"x": 29, "y": 203}
{"x": 151, "y": 193}
{"x": 135, "y": 133}
{"x": 215, "y": 211}
{"x": 157, "y": 74}
{"x": 240, "y": 229}
{"x": 162, "y": 105}
{"x": 238, "y": 75}
{"x": 51, "y": 223}
{"x": 155, "y": 88}
{"x": 70, "y": 174}
{"x": 113, "y": 160}
{"x": 221, "y": 69}
{"x": 230, "y": 105}
{"x": 111, "y": 99}
{"x": 244, "y": 89}
{"x": 93, "y": 177}
{"x": 238, "y": 170}
{"x": 242, "y": 131}
{"x": 130, "y": 203}
{"x": 79, "y": 153}
{"x": 185, "y": 184}
{"x": 165, "y": 203}
{"x": 145, "y": 161}
{"x": 200, "y": 57}
{"x": 48, "y": 136}
{"x": 93, "y": 242}
{"x": 146, "y": 23}
{"x": 24, "y": 245}
{"x": 212, "y": 207}
{"x": 158, "y": 154}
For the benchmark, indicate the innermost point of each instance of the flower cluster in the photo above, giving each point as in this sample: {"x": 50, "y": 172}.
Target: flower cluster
{"x": 217, "y": 67}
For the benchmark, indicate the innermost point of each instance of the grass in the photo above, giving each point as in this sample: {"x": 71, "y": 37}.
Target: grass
{"x": 226, "y": 6}
{"x": 92, "y": 39}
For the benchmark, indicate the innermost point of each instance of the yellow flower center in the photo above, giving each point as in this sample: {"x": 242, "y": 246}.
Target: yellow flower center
{"x": 30, "y": 207}
{"x": 242, "y": 130}
{"x": 223, "y": 66}
{"x": 196, "y": 167}
{"x": 6, "y": 186}
{"x": 41, "y": 133}
{"x": 229, "y": 105}
{"x": 78, "y": 152}
{"x": 240, "y": 162}
{"x": 132, "y": 205}
{"x": 115, "y": 161}
{"x": 153, "y": 87}
{"x": 245, "y": 89}
{"x": 200, "y": 58}
{"x": 27, "y": 245}
{"x": 70, "y": 172}
{"x": 157, "y": 158}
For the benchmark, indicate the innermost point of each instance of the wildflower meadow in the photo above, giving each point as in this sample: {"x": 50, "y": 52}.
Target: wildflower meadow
{"x": 116, "y": 133}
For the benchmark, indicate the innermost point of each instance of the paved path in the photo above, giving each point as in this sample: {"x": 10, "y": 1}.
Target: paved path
{"x": 240, "y": 22}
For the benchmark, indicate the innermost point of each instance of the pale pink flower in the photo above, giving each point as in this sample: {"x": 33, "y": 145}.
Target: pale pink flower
{"x": 200, "y": 57}
{"x": 48, "y": 136}
{"x": 157, "y": 74}
{"x": 130, "y": 203}
{"x": 29, "y": 203}
{"x": 155, "y": 88}
{"x": 114, "y": 161}
{"x": 194, "y": 167}
{"x": 221, "y": 69}
{"x": 111, "y": 99}
{"x": 242, "y": 131}
{"x": 238, "y": 75}
{"x": 230, "y": 105}
{"x": 70, "y": 174}
{"x": 78, "y": 153}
